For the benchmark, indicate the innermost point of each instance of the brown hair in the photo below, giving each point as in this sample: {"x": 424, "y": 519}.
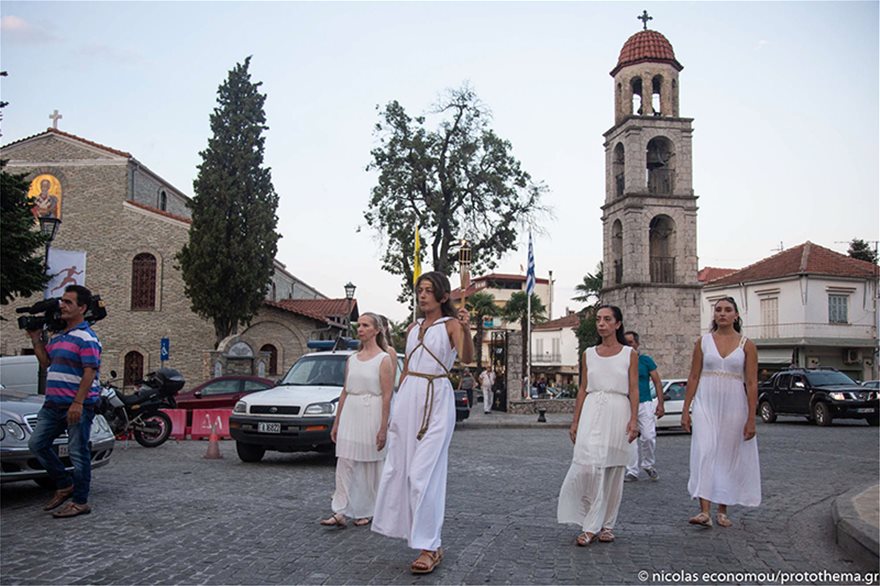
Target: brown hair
{"x": 441, "y": 288}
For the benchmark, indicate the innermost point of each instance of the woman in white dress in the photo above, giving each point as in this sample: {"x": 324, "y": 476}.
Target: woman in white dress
{"x": 412, "y": 493}
{"x": 605, "y": 422}
{"x": 360, "y": 429}
{"x": 724, "y": 452}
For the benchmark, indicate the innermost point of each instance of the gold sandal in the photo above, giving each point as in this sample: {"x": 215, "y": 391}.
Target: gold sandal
{"x": 723, "y": 520}
{"x": 702, "y": 519}
{"x": 427, "y": 561}
{"x": 585, "y": 539}
{"x": 336, "y": 520}
{"x": 605, "y": 535}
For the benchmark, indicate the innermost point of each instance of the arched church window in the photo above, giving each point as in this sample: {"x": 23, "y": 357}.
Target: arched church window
{"x": 133, "y": 368}
{"x": 660, "y": 166}
{"x": 274, "y": 292}
{"x": 163, "y": 200}
{"x": 273, "y": 357}
{"x": 143, "y": 282}
{"x": 617, "y": 252}
{"x": 617, "y": 168}
{"x": 661, "y": 239}
{"x": 656, "y": 90}
{"x": 636, "y": 87}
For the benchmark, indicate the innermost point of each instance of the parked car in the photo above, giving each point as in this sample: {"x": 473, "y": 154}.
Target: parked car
{"x": 19, "y": 373}
{"x": 874, "y": 385}
{"x": 673, "y": 402}
{"x": 18, "y": 419}
{"x": 462, "y": 408}
{"x": 298, "y": 413}
{"x": 220, "y": 393}
{"x": 819, "y": 394}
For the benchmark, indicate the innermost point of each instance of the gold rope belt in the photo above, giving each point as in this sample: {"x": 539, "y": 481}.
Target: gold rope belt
{"x": 429, "y": 400}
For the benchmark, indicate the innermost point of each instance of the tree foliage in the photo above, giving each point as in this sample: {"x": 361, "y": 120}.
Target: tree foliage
{"x": 862, "y": 250}
{"x": 228, "y": 263}
{"x": 516, "y": 310}
{"x": 23, "y": 270}
{"x": 591, "y": 287}
{"x": 480, "y": 305}
{"x": 458, "y": 180}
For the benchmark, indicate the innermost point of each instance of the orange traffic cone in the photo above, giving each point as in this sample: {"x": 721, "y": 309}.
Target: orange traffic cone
{"x": 213, "y": 452}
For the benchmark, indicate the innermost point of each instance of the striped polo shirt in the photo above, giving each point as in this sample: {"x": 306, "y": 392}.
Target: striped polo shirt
{"x": 69, "y": 353}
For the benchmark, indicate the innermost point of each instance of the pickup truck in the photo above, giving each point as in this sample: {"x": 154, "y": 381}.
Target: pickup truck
{"x": 819, "y": 394}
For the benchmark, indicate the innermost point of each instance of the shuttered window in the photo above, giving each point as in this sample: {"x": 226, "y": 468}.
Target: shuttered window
{"x": 837, "y": 313}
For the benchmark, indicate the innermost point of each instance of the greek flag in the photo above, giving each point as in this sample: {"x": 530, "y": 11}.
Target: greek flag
{"x": 530, "y": 274}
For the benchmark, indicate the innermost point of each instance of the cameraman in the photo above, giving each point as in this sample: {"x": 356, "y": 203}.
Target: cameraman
{"x": 72, "y": 358}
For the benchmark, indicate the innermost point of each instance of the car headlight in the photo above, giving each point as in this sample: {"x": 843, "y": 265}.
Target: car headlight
{"x": 15, "y": 430}
{"x": 838, "y": 396}
{"x": 320, "y": 409}
{"x": 240, "y": 407}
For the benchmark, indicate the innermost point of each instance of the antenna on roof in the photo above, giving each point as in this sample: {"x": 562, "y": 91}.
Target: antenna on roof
{"x": 780, "y": 249}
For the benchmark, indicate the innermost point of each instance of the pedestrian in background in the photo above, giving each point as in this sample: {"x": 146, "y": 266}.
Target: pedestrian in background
{"x": 642, "y": 450}
{"x": 72, "y": 358}
{"x": 487, "y": 382}
{"x": 412, "y": 494}
{"x": 360, "y": 428}
{"x": 605, "y": 422}
{"x": 466, "y": 384}
{"x": 723, "y": 387}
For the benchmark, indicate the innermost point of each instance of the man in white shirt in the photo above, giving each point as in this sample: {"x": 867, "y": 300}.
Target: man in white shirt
{"x": 487, "y": 381}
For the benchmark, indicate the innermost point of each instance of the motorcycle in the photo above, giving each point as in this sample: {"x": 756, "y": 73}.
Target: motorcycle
{"x": 140, "y": 412}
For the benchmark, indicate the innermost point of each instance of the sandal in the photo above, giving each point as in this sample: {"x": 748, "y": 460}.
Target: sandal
{"x": 336, "y": 520}
{"x": 363, "y": 521}
{"x": 723, "y": 520}
{"x": 702, "y": 519}
{"x": 427, "y": 561}
{"x": 605, "y": 535}
{"x": 72, "y": 510}
{"x": 585, "y": 539}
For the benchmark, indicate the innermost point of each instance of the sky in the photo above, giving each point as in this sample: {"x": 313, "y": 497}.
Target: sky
{"x": 784, "y": 97}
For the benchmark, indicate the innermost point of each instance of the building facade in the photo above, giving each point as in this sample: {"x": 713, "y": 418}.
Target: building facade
{"x": 555, "y": 349}
{"x": 649, "y": 217}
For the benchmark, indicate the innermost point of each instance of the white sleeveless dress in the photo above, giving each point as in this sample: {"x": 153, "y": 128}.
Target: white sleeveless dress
{"x": 591, "y": 492}
{"x": 359, "y": 463}
{"x": 724, "y": 468}
{"x": 412, "y": 494}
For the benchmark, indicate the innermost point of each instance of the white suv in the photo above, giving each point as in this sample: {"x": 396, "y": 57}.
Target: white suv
{"x": 297, "y": 414}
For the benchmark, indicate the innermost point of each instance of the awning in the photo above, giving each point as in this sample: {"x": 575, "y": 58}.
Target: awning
{"x": 774, "y": 355}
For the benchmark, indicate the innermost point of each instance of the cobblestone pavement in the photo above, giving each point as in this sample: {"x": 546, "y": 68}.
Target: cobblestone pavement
{"x": 168, "y": 516}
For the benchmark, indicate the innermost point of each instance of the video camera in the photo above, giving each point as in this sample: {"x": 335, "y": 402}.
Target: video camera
{"x": 51, "y": 318}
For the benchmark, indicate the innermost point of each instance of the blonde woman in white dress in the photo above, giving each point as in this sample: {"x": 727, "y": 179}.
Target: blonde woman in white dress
{"x": 724, "y": 452}
{"x": 605, "y": 423}
{"x": 412, "y": 494}
{"x": 360, "y": 429}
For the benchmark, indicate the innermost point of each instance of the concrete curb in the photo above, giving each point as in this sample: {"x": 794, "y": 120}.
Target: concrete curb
{"x": 511, "y": 425}
{"x": 855, "y": 517}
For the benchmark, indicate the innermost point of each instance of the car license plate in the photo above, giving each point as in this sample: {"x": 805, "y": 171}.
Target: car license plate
{"x": 63, "y": 451}
{"x": 865, "y": 410}
{"x": 267, "y": 427}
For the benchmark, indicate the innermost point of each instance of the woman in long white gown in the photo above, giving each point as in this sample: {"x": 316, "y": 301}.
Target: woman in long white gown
{"x": 412, "y": 494}
{"x": 360, "y": 428}
{"x": 724, "y": 452}
{"x": 605, "y": 422}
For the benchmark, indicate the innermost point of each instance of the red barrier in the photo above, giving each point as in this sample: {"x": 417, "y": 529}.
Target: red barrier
{"x": 178, "y": 422}
{"x": 203, "y": 419}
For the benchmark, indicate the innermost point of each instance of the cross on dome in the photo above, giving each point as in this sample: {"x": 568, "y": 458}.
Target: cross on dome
{"x": 55, "y": 117}
{"x": 645, "y": 18}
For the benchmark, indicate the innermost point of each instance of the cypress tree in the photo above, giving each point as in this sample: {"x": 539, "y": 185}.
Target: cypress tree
{"x": 228, "y": 263}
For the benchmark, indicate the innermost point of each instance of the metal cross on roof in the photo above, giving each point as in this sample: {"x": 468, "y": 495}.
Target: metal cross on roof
{"x": 55, "y": 116}
{"x": 645, "y": 18}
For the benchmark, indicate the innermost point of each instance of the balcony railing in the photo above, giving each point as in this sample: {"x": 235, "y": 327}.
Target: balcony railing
{"x": 663, "y": 269}
{"x": 547, "y": 358}
{"x": 661, "y": 181}
{"x": 806, "y": 330}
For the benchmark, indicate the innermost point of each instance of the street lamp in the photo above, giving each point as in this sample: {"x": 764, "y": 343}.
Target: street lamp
{"x": 49, "y": 228}
{"x": 349, "y": 294}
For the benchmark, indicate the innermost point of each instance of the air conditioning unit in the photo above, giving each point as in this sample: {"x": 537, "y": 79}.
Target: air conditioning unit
{"x": 851, "y": 356}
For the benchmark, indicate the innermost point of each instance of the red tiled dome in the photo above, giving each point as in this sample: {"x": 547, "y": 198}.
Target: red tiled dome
{"x": 646, "y": 46}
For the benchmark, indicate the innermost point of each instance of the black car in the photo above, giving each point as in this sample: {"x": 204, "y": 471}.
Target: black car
{"x": 462, "y": 408}
{"x": 820, "y": 394}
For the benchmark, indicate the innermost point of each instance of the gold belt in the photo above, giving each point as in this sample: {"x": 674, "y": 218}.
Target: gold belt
{"x": 429, "y": 400}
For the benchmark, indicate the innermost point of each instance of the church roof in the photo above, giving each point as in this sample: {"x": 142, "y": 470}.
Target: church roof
{"x": 646, "y": 46}
{"x": 707, "y": 274}
{"x": 572, "y": 320}
{"x": 804, "y": 259}
{"x": 318, "y": 309}
{"x": 156, "y": 210}
{"x": 90, "y": 143}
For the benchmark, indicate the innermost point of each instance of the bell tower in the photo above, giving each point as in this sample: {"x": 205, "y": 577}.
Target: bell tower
{"x": 649, "y": 218}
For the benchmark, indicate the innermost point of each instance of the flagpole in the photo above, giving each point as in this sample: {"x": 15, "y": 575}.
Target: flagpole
{"x": 528, "y": 388}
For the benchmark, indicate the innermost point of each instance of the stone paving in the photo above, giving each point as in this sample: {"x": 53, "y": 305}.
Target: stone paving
{"x": 168, "y": 516}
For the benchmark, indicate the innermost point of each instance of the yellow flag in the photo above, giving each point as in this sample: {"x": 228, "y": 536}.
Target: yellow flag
{"x": 417, "y": 262}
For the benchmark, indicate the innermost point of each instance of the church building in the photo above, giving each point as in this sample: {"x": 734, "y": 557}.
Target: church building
{"x": 649, "y": 218}
{"x": 122, "y": 225}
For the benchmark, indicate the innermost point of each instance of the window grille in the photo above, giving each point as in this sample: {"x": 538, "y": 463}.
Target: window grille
{"x": 143, "y": 282}
{"x": 134, "y": 368}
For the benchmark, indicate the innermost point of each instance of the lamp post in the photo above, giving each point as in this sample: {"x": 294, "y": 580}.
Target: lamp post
{"x": 49, "y": 228}
{"x": 349, "y": 294}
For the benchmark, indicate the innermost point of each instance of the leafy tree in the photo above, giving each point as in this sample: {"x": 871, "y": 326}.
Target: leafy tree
{"x": 228, "y": 263}
{"x": 459, "y": 179}
{"x": 480, "y": 305}
{"x": 23, "y": 270}
{"x": 862, "y": 250}
{"x": 516, "y": 310}
{"x": 587, "y": 334}
{"x": 591, "y": 287}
